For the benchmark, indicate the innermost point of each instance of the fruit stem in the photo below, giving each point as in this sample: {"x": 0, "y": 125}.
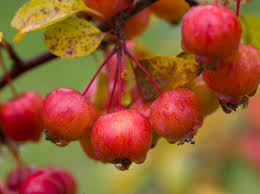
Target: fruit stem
{"x": 216, "y": 2}
{"x": 119, "y": 63}
{"x": 113, "y": 91}
{"x": 8, "y": 77}
{"x": 137, "y": 81}
{"x": 145, "y": 72}
{"x": 238, "y": 7}
{"x": 97, "y": 72}
{"x": 124, "y": 70}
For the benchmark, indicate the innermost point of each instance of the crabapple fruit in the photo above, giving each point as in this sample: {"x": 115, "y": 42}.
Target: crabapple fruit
{"x": 170, "y": 10}
{"x": 16, "y": 176}
{"x": 235, "y": 76}
{"x": 208, "y": 98}
{"x": 211, "y": 31}
{"x": 176, "y": 115}
{"x": 121, "y": 138}
{"x": 67, "y": 114}
{"x": 85, "y": 143}
{"x": 49, "y": 180}
{"x": 21, "y": 117}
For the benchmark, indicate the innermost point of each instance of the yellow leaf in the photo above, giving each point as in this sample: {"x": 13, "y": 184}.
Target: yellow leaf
{"x": 72, "y": 37}
{"x": 251, "y": 29}
{"x": 1, "y": 36}
{"x": 37, "y": 14}
{"x": 227, "y": 3}
{"x": 168, "y": 72}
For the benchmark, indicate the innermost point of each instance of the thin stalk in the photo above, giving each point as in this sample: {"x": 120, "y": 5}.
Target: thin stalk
{"x": 137, "y": 81}
{"x": 216, "y": 2}
{"x": 119, "y": 64}
{"x": 7, "y": 76}
{"x": 113, "y": 91}
{"x": 97, "y": 72}
{"x": 145, "y": 72}
{"x": 238, "y": 7}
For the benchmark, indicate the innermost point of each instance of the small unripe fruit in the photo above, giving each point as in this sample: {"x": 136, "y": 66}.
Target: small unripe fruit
{"x": 237, "y": 75}
{"x": 121, "y": 138}
{"x": 170, "y": 10}
{"x": 176, "y": 115}
{"x": 67, "y": 114}
{"x": 21, "y": 117}
{"x": 15, "y": 177}
{"x": 49, "y": 180}
{"x": 137, "y": 24}
{"x": 211, "y": 31}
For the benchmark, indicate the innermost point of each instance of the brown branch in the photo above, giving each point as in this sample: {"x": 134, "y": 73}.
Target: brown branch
{"x": 21, "y": 66}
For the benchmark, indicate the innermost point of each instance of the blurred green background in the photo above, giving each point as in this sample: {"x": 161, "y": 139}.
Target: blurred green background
{"x": 169, "y": 168}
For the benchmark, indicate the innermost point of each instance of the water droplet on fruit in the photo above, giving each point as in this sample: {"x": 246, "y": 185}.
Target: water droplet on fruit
{"x": 122, "y": 163}
{"x": 62, "y": 143}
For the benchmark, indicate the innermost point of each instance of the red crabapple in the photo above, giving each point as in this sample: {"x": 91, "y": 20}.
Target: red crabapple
{"x": 121, "y": 138}
{"x": 16, "y": 176}
{"x": 21, "y": 117}
{"x": 211, "y": 31}
{"x": 86, "y": 145}
{"x": 176, "y": 115}
{"x": 67, "y": 114}
{"x": 237, "y": 75}
{"x": 49, "y": 180}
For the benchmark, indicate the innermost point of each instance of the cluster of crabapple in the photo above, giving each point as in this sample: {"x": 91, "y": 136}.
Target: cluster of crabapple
{"x": 230, "y": 68}
{"x": 30, "y": 180}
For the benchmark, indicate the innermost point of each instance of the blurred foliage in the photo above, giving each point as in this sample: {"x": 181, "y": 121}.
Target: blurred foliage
{"x": 214, "y": 165}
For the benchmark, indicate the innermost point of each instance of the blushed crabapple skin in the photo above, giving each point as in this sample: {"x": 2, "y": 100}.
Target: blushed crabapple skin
{"x": 67, "y": 114}
{"x": 49, "y": 180}
{"x": 211, "y": 31}
{"x": 170, "y": 10}
{"x": 86, "y": 145}
{"x": 121, "y": 138}
{"x": 137, "y": 24}
{"x": 21, "y": 117}
{"x": 176, "y": 115}
{"x": 16, "y": 176}
{"x": 145, "y": 109}
{"x": 237, "y": 75}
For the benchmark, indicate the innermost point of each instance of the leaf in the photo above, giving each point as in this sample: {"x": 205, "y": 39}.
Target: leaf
{"x": 168, "y": 72}
{"x": 37, "y": 14}
{"x": 251, "y": 29}
{"x": 72, "y": 37}
{"x": 227, "y": 3}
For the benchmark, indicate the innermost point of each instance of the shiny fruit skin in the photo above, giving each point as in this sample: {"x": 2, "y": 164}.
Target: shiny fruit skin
{"x": 21, "y": 117}
{"x": 208, "y": 98}
{"x": 137, "y": 24}
{"x": 237, "y": 75}
{"x": 125, "y": 134}
{"x": 170, "y": 10}
{"x": 86, "y": 145}
{"x": 108, "y": 8}
{"x": 175, "y": 114}
{"x": 67, "y": 114}
{"x": 49, "y": 180}
{"x": 16, "y": 176}
{"x": 211, "y": 31}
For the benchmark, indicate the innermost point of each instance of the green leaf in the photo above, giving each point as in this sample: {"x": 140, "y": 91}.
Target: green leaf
{"x": 37, "y": 14}
{"x": 251, "y": 29}
{"x": 72, "y": 37}
{"x": 168, "y": 72}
